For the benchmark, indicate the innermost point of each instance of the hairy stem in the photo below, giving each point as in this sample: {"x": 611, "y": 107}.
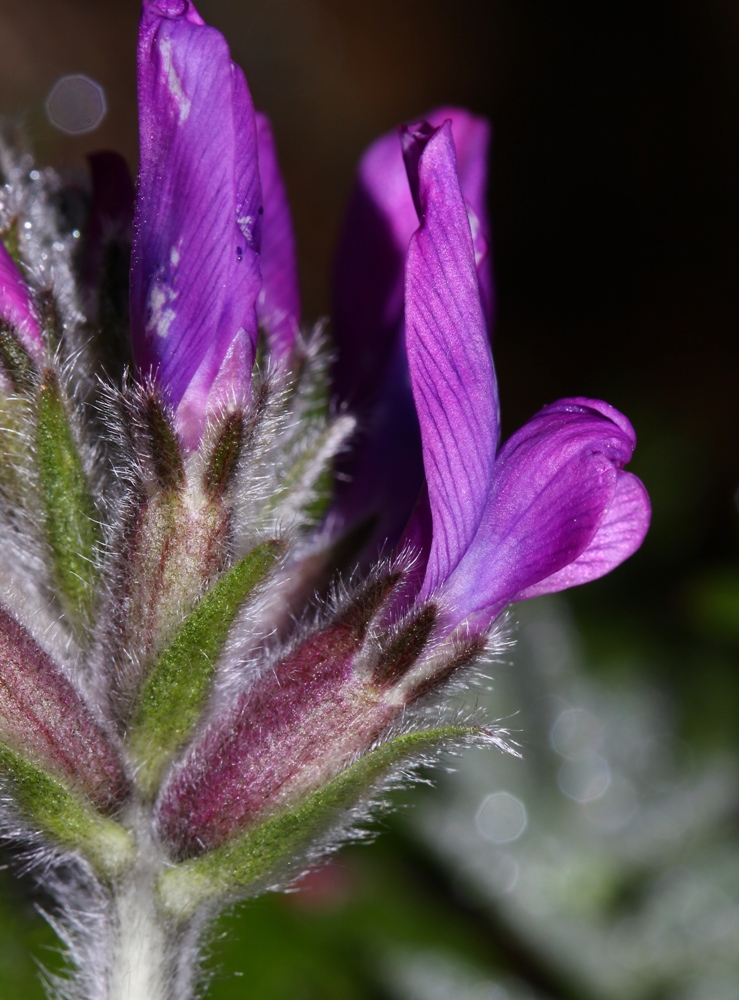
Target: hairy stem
{"x": 142, "y": 959}
{"x": 138, "y": 951}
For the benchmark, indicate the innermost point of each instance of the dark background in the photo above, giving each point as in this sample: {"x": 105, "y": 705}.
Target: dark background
{"x": 613, "y": 195}
{"x": 615, "y": 209}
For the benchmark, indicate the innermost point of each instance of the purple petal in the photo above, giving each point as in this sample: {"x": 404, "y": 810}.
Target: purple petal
{"x": 419, "y": 533}
{"x": 380, "y": 220}
{"x": 214, "y": 391}
{"x": 448, "y": 352}
{"x": 416, "y": 543}
{"x": 195, "y": 268}
{"x": 278, "y": 306}
{"x": 16, "y": 307}
{"x": 472, "y": 142}
{"x": 249, "y": 206}
{"x": 384, "y": 472}
{"x": 368, "y": 281}
{"x": 619, "y": 536}
{"x": 555, "y": 482}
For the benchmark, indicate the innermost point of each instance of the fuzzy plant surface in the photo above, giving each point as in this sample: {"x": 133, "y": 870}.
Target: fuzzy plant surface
{"x": 231, "y": 613}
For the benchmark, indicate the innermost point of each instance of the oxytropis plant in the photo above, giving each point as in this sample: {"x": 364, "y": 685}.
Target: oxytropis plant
{"x": 198, "y": 695}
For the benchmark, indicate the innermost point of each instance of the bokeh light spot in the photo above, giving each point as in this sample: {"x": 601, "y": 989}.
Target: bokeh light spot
{"x": 585, "y": 779}
{"x": 576, "y": 733}
{"x": 501, "y": 818}
{"x": 76, "y": 104}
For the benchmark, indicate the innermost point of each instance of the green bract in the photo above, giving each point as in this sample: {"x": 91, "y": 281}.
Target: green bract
{"x": 64, "y": 815}
{"x": 252, "y": 861}
{"x": 179, "y": 682}
{"x": 71, "y": 521}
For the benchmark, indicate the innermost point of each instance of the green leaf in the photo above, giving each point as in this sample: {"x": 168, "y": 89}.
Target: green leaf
{"x": 65, "y": 815}
{"x": 271, "y": 845}
{"x": 71, "y": 526}
{"x": 179, "y": 682}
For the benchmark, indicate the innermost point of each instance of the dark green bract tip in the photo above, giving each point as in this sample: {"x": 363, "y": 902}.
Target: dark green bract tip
{"x": 165, "y": 446}
{"x": 15, "y": 360}
{"x": 225, "y": 455}
{"x": 404, "y": 650}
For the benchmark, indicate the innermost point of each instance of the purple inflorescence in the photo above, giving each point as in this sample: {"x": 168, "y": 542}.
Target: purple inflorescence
{"x": 197, "y": 690}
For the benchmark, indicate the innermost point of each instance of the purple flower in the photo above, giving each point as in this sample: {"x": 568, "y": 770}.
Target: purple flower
{"x": 414, "y": 306}
{"x": 213, "y": 256}
{"x": 552, "y": 508}
{"x": 173, "y": 709}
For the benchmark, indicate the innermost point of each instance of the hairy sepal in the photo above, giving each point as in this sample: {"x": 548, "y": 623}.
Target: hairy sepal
{"x": 63, "y": 814}
{"x": 17, "y": 471}
{"x": 176, "y": 689}
{"x": 15, "y": 362}
{"x": 44, "y": 718}
{"x": 72, "y": 526}
{"x": 292, "y": 729}
{"x": 170, "y": 541}
{"x": 225, "y": 453}
{"x": 405, "y": 648}
{"x": 159, "y": 444}
{"x": 272, "y": 849}
{"x": 288, "y": 479}
{"x": 281, "y": 736}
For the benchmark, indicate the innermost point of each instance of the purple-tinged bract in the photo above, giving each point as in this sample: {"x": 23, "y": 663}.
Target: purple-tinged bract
{"x": 44, "y": 716}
